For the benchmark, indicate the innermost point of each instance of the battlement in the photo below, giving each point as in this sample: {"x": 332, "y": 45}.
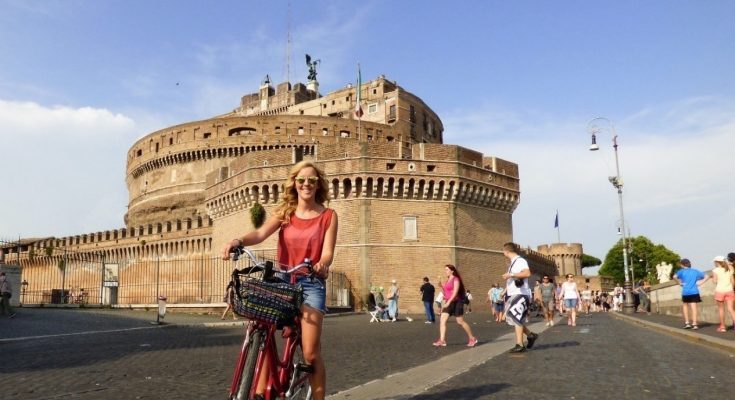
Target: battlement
{"x": 567, "y": 249}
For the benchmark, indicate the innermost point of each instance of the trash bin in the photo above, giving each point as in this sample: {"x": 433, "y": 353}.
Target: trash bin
{"x": 161, "y": 307}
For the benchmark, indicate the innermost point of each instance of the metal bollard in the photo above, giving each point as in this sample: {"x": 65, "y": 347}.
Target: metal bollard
{"x": 161, "y": 310}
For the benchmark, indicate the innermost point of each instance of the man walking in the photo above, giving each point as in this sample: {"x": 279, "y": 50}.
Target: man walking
{"x": 519, "y": 297}
{"x": 427, "y": 296}
{"x": 688, "y": 278}
{"x": 5, "y": 295}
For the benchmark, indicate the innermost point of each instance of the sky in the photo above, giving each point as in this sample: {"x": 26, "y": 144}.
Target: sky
{"x": 82, "y": 80}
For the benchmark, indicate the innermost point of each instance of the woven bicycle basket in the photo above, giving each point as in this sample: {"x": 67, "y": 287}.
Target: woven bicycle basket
{"x": 269, "y": 302}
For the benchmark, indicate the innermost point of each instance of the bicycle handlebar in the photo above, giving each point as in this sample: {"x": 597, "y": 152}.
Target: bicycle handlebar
{"x": 237, "y": 252}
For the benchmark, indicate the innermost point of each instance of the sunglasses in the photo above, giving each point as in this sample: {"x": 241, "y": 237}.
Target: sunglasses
{"x": 312, "y": 179}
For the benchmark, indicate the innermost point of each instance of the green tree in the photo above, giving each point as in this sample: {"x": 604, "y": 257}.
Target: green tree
{"x": 590, "y": 261}
{"x": 643, "y": 257}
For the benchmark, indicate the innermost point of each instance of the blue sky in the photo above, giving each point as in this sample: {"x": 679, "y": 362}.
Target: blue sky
{"x": 80, "y": 81}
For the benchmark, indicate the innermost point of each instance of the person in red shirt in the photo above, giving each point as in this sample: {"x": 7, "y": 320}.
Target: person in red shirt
{"x": 306, "y": 229}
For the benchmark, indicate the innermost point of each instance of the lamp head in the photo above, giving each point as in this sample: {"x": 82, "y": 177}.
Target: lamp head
{"x": 594, "y": 146}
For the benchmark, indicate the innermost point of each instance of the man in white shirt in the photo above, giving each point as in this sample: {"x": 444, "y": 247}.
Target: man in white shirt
{"x": 519, "y": 295}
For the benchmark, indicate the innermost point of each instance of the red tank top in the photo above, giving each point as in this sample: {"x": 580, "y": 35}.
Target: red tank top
{"x": 303, "y": 238}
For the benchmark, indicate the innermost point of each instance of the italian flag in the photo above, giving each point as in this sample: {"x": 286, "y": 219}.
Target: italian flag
{"x": 358, "y": 105}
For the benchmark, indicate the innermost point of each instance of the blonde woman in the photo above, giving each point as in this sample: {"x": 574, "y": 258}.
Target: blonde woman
{"x": 722, "y": 275}
{"x": 306, "y": 229}
{"x": 570, "y": 296}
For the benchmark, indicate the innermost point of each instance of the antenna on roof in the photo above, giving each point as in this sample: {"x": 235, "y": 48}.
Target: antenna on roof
{"x": 288, "y": 44}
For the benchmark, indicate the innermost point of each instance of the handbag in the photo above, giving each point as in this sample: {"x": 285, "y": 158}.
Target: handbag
{"x": 267, "y": 302}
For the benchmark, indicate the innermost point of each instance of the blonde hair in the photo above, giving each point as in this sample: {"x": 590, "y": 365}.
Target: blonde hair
{"x": 290, "y": 198}
{"x": 725, "y": 265}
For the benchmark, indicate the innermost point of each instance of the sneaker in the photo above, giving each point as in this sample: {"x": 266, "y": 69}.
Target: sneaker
{"x": 548, "y": 324}
{"x": 695, "y": 327}
{"x": 393, "y": 320}
{"x": 440, "y": 343}
{"x": 531, "y": 340}
{"x": 472, "y": 342}
{"x": 517, "y": 349}
{"x": 551, "y": 322}
{"x": 428, "y": 322}
{"x": 687, "y": 326}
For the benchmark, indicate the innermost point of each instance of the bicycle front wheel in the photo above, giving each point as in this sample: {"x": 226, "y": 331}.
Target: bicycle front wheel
{"x": 246, "y": 381}
{"x": 299, "y": 387}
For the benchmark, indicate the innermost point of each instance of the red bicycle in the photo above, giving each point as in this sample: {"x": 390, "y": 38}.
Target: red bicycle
{"x": 271, "y": 302}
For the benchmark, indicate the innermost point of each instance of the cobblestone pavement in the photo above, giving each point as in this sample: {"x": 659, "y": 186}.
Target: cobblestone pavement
{"x": 118, "y": 354}
{"x": 50, "y": 353}
{"x": 603, "y": 357}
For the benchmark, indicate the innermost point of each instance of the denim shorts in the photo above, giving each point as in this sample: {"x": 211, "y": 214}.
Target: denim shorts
{"x": 570, "y": 303}
{"x": 315, "y": 292}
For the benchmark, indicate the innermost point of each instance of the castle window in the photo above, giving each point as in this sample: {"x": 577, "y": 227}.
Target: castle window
{"x": 375, "y": 91}
{"x": 207, "y": 135}
{"x": 372, "y": 108}
{"x": 412, "y": 114}
{"x": 324, "y": 105}
{"x": 392, "y": 113}
{"x": 170, "y": 141}
{"x": 369, "y": 137}
{"x": 301, "y": 130}
{"x": 389, "y": 166}
{"x": 301, "y": 112}
{"x": 139, "y": 153}
{"x": 156, "y": 147}
{"x": 410, "y": 228}
{"x": 347, "y": 99}
{"x": 344, "y": 134}
{"x": 430, "y": 168}
{"x": 332, "y": 102}
{"x": 389, "y": 138}
{"x": 325, "y": 132}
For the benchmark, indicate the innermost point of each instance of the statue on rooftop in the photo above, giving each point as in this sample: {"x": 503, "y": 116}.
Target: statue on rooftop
{"x": 312, "y": 67}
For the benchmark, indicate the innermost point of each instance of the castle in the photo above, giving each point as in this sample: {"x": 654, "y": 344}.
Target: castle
{"x": 408, "y": 203}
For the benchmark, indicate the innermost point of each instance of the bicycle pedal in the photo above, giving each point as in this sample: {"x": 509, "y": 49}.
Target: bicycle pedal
{"x": 308, "y": 368}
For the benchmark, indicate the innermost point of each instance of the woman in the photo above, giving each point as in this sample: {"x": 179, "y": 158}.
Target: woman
{"x": 453, "y": 291}
{"x": 548, "y": 299}
{"x": 570, "y": 296}
{"x": 306, "y": 229}
{"x": 229, "y": 296}
{"x": 559, "y": 300}
{"x": 722, "y": 275}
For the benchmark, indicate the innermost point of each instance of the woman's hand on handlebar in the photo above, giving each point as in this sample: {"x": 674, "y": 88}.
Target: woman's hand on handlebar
{"x": 321, "y": 270}
{"x": 227, "y": 249}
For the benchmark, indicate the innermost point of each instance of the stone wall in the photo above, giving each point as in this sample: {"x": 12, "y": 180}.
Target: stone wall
{"x": 666, "y": 299}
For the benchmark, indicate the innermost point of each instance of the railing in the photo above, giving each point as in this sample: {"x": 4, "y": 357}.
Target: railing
{"x": 93, "y": 280}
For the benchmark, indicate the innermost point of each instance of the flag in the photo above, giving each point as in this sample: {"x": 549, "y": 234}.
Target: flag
{"x": 556, "y": 220}
{"x": 358, "y": 105}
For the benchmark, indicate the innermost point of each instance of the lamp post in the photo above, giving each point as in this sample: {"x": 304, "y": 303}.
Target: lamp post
{"x": 24, "y": 287}
{"x": 617, "y": 182}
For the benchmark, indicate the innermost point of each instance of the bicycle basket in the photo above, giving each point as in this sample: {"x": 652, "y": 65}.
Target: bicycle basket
{"x": 268, "y": 302}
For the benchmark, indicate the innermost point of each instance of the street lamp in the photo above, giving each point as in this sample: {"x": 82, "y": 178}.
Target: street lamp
{"x": 617, "y": 182}
{"x": 24, "y": 287}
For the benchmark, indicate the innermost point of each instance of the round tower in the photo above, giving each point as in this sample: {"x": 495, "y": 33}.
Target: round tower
{"x": 568, "y": 256}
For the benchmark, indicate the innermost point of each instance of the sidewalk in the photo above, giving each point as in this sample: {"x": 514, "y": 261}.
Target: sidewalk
{"x": 674, "y": 325}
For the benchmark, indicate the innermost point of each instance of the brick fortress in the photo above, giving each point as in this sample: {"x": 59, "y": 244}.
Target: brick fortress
{"x": 407, "y": 203}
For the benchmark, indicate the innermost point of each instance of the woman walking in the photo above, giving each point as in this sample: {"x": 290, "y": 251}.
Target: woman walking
{"x": 722, "y": 275}
{"x": 454, "y": 293}
{"x": 570, "y": 296}
{"x": 306, "y": 229}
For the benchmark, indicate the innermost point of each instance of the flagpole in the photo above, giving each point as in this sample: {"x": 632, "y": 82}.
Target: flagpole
{"x": 359, "y": 106}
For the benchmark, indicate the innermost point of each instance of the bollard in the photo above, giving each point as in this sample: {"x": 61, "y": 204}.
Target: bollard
{"x": 161, "y": 310}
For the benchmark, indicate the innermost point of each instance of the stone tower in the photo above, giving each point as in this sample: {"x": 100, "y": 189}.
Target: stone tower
{"x": 568, "y": 256}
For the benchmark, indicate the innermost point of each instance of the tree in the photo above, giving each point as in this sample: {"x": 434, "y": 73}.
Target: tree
{"x": 643, "y": 257}
{"x": 590, "y": 261}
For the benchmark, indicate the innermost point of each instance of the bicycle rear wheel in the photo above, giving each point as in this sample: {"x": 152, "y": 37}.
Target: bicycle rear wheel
{"x": 246, "y": 381}
{"x": 300, "y": 389}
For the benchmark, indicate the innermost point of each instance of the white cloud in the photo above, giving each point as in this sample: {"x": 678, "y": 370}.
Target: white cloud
{"x": 63, "y": 169}
{"x": 676, "y": 163}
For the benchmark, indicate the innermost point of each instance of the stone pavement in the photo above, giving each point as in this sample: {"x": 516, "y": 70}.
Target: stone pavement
{"x": 117, "y": 354}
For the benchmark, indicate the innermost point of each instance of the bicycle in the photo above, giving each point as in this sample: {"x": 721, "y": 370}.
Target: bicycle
{"x": 256, "y": 287}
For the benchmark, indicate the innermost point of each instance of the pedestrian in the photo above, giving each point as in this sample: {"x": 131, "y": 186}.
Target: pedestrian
{"x": 393, "y": 294}
{"x": 306, "y": 229}
{"x": 586, "y": 299}
{"x": 688, "y": 278}
{"x": 605, "y": 302}
{"x": 559, "y": 300}
{"x": 495, "y": 297}
{"x": 427, "y": 296}
{"x": 519, "y": 294}
{"x": 548, "y": 299}
{"x": 439, "y": 299}
{"x": 453, "y": 305}
{"x": 570, "y": 295}
{"x": 229, "y": 298}
{"x": 5, "y": 294}
{"x": 468, "y": 301}
{"x": 722, "y": 275}
{"x": 642, "y": 292}
{"x": 380, "y": 305}
{"x": 617, "y": 297}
